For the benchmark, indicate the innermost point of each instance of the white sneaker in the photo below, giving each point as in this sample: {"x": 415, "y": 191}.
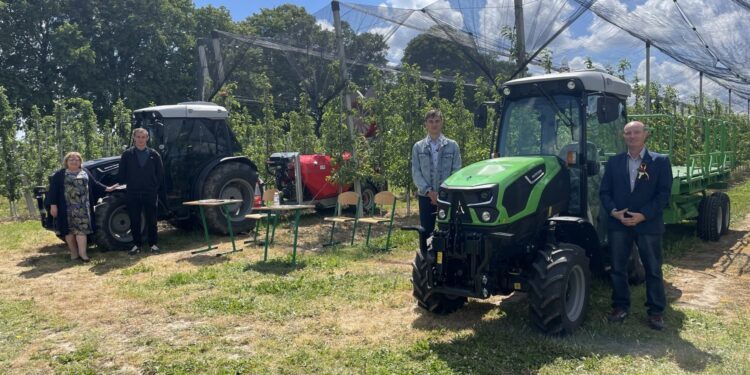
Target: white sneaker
{"x": 155, "y": 249}
{"x": 134, "y": 250}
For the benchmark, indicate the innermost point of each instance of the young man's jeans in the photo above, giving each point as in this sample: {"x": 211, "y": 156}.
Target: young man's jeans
{"x": 427, "y": 218}
{"x": 145, "y": 203}
{"x": 649, "y": 248}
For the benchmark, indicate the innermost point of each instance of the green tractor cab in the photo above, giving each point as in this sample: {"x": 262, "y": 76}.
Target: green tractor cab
{"x": 530, "y": 219}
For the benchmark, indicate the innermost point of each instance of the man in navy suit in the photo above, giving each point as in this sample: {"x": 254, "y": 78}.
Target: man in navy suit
{"x": 635, "y": 190}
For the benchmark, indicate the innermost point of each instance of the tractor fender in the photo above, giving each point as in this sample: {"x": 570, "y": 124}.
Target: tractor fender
{"x": 198, "y": 186}
{"x": 578, "y": 231}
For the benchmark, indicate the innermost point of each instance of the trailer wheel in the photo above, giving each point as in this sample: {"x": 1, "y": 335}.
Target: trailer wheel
{"x": 726, "y": 208}
{"x": 710, "y": 218}
{"x": 436, "y": 303}
{"x": 231, "y": 180}
{"x": 113, "y": 230}
{"x": 636, "y": 271}
{"x": 559, "y": 289}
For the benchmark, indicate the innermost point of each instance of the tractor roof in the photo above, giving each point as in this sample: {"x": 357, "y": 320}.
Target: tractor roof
{"x": 593, "y": 80}
{"x": 188, "y": 109}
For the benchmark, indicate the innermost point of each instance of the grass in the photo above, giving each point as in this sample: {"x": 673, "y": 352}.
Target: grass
{"x": 339, "y": 310}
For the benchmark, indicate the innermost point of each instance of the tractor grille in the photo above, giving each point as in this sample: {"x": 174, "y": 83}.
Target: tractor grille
{"x": 459, "y": 201}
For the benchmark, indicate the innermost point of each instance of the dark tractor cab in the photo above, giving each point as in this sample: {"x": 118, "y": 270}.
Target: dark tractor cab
{"x": 199, "y": 152}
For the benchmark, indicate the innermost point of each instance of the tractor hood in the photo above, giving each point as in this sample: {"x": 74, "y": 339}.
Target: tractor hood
{"x": 505, "y": 190}
{"x": 493, "y": 171}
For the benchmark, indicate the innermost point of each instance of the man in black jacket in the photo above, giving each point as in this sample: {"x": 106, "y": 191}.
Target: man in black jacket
{"x": 142, "y": 170}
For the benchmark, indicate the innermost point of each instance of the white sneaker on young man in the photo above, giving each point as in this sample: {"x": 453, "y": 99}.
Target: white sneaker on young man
{"x": 155, "y": 249}
{"x": 134, "y": 250}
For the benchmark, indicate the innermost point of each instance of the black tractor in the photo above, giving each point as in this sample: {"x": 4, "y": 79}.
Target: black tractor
{"x": 199, "y": 154}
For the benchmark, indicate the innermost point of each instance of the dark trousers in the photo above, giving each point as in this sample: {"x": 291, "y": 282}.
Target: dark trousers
{"x": 649, "y": 248}
{"x": 427, "y": 212}
{"x": 145, "y": 203}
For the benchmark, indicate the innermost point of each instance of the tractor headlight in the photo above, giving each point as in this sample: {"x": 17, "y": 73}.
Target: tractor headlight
{"x": 506, "y": 91}
{"x": 441, "y": 214}
{"x": 571, "y": 85}
{"x": 486, "y": 216}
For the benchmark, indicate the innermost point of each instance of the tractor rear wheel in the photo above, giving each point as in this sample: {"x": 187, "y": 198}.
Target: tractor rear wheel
{"x": 560, "y": 289}
{"x": 113, "y": 230}
{"x": 710, "y": 218}
{"x": 231, "y": 180}
{"x": 437, "y": 303}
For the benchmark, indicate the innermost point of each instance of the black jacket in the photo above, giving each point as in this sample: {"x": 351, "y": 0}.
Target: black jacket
{"x": 56, "y": 196}
{"x": 146, "y": 179}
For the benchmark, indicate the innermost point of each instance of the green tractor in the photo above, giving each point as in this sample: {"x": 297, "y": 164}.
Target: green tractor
{"x": 530, "y": 220}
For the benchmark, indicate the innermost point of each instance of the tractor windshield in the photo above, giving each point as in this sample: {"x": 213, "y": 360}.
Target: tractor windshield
{"x": 540, "y": 125}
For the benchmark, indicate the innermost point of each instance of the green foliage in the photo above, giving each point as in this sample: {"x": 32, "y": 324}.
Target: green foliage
{"x": 9, "y": 149}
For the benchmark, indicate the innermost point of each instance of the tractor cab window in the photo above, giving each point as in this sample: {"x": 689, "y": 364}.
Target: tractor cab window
{"x": 604, "y": 133}
{"x": 540, "y": 126}
{"x": 605, "y": 118}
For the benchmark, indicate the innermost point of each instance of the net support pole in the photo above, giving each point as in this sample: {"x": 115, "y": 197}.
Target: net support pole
{"x": 730, "y": 100}
{"x": 700, "y": 92}
{"x": 346, "y": 95}
{"x": 202, "y": 71}
{"x": 648, "y": 77}
{"x": 520, "y": 33}
{"x": 216, "y": 45}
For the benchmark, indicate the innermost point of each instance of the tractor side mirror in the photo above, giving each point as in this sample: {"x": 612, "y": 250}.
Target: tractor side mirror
{"x": 480, "y": 116}
{"x": 607, "y": 109}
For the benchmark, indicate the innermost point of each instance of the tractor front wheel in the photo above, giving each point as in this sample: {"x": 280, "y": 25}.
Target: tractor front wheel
{"x": 113, "y": 230}
{"x": 437, "y": 303}
{"x": 560, "y": 289}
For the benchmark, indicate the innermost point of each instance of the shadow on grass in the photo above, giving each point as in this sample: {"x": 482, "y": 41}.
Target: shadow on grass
{"x": 279, "y": 267}
{"x": 204, "y": 259}
{"x": 498, "y": 338}
{"x": 683, "y": 249}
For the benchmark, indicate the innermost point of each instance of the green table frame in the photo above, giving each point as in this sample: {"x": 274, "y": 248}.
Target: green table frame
{"x": 280, "y": 208}
{"x": 222, "y": 204}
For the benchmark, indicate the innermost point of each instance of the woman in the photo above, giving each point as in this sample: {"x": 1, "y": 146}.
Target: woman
{"x": 73, "y": 192}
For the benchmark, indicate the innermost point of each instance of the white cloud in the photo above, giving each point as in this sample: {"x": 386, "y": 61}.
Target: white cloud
{"x": 324, "y": 24}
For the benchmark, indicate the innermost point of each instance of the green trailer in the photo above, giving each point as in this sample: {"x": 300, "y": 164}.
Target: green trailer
{"x": 703, "y": 152}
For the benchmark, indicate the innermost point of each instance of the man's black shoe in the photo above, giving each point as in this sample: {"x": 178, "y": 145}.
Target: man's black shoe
{"x": 135, "y": 250}
{"x": 617, "y": 315}
{"x": 656, "y": 322}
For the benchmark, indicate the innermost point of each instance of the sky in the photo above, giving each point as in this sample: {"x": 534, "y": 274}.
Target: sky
{"x": 590, "y": 36}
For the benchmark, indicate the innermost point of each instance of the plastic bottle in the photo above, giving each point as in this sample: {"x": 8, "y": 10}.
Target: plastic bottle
{"x": 276, "y": 199}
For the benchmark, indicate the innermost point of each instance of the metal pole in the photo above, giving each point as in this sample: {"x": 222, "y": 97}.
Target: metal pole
{"x": 202, "y": 71}
{"x": 730, "y": 101}
{"x": 347, "y": 101}
{"x": 520, "y": 34}
{"x": 700, "y": 93}
{"x": 648, "y": 77}
{"x": 219, "y": 61}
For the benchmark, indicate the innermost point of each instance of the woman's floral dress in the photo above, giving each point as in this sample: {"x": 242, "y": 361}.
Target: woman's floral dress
{"x": 77, "y": 199}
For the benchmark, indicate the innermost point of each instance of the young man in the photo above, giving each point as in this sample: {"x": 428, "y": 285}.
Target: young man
{"x": 142, "y": 170}
{"x": 433, "y": 159}
{"x": 635, "y": 190}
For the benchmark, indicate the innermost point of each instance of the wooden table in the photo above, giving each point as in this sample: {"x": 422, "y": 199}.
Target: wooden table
{"x": 221, "y": 203}
{"x": 281, "y": 208}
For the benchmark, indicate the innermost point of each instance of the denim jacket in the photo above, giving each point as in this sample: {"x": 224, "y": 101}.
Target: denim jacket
{"x": 427, "y": 176}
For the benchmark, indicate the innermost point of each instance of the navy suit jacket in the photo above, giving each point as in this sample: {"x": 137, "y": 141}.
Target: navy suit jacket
{"x": 649, "y": 197}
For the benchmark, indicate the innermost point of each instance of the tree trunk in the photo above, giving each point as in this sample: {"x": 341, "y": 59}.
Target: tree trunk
{"x": 29, "y": 203}
{"x": 408, "y": 201}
